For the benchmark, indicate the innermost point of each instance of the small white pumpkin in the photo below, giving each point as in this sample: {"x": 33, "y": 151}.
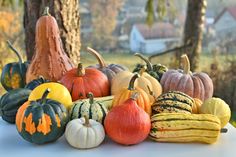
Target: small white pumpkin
{"x": 84, "y": 133}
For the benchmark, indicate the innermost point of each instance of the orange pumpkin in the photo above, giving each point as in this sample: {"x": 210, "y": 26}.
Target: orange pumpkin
{"x": 80, "y": 82}
{"x": 50, "y": 60}
{"x": 127, "y": 123}
{"x": 143, "y": 100}
{"x": 196, "y": 85}
{"x": 196, "y": 106}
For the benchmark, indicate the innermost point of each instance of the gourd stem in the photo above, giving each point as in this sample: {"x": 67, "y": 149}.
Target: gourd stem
{"x": 46, "y": 12}
{"x": 86, "y": 121}
{"x": 185, "y": 63}
{"x": 45, "y": 94}
{"x": 98, "y": 56}
{"x": 80, "y": 70}
{"x": 132, "y": 80}
{"x": 224, "y": 130}
{"x": 91, "y": 97}
{"x": 134, "y": 96}
{"x": 15, "y": 51}
{"x": 149, "y": 64}
{"x": 143, "y": 69}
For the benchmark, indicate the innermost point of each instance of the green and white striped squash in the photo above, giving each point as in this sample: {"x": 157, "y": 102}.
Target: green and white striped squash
{"x": 173, "y": 102}
{"x": 91, "y": 108}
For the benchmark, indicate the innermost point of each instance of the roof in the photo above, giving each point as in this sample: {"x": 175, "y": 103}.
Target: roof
{"x": 157, "y": 31}
{"x": 231, "y": 10}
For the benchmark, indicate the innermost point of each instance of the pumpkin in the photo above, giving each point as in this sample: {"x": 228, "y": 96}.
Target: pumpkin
{"x": 13, "y": 74}
{"x": 110, "y": 70}
{"x": 217, "y": 107}
{"x": 156, "y": 70}
{"x": 36, "y": 82}
{"x": 84, "y": 133}
{"x": 80, "y": 82}
{"x": 41, "y": 121}
{"x": 58, "y": 93}
{"x": 11, "y": 101}
{"x": 127, "y": 123}
{"x": 50, "y": 60}
{"x": 143, "y": 100}
{"x": 173, "y": 102}
{"x": 196, "y": 106}
{"x": 89, "y": 108}
{"x": 145, "y": 82}
{"x": 197, "y": 85}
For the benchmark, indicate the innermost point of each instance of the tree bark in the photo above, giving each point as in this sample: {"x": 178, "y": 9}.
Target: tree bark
{"x": 193, "y": 30}
{"x": 66, "y": 13}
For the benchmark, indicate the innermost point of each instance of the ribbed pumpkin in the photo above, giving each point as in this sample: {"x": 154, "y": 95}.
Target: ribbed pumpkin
{"x": 36, "y": 82}
{"x": 58, "y": 93}
{"x": 13, "y": 74}
{"x": 89, "y": 108}
{"x": 196, "y": 106}
{"x": 143, "y": 100}
{"x": 173, "y": 102}
{"x": 110, "y": 70}
{"x": 145, "y": 82}
{"x": 10, "y": 103}
{"x": 156, "y": 70}
{"x": 197, "y": 85}
{"x": 50, "y": 60}
{"x": 41, "y": 121}
{"x": 80, "y": 82}
{"x": 127, "y": 123}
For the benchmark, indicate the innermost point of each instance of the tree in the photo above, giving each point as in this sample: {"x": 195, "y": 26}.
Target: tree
{"x": 68, "y": 19}
{"x": 104, "y": 14}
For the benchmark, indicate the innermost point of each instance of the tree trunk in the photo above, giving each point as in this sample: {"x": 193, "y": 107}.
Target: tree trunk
{"x": 66, "y": 13}
{"x": 193, "y": 30}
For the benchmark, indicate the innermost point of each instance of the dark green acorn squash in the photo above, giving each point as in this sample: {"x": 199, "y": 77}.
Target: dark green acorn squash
{"x": 36, "y": 82}
{"x": 10, "y": 103}
{"x": 41, "y": 121}
{"x": 13, "y": 74}
{"x": 156, "y": 70}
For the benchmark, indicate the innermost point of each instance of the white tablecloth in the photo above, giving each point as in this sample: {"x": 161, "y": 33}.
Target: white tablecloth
{"x": 11, "y": 144}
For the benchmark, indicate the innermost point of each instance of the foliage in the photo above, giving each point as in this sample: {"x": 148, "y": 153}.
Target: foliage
{"x": 104, "y": 13}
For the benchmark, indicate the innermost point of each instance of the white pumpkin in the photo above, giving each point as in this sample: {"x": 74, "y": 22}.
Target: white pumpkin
{"x": 84, "y": 133}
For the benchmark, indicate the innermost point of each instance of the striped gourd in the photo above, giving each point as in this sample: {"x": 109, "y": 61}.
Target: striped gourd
{"x": 180, "y": 127}
{"x": 173, "y": 102}
{"x": 90, "y": 108}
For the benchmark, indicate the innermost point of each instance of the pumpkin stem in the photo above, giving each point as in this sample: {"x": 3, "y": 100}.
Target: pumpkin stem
{"x": 134, "y": 96}
{"x": 80, "y": 70}
{"x": 100, "y": 59}
{"x": 186, "y": 64}
{"x": 91, "y": 97}
{"x": 143, "y": 69}
{"x": 87, "y": 124}
{"x": 46, "y": 12}
{"x": 132, "y": 80}
{"x": 223, "y": 130}
{"x": 15, "y": 51}
{"x": 149, "y": 64}
{"x": 45, "y": 94}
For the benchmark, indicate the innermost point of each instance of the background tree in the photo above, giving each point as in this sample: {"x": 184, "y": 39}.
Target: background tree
{"x": 104, "y": 14}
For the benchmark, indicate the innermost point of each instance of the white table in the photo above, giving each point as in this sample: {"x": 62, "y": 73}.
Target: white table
{"x": 11, "y": 144}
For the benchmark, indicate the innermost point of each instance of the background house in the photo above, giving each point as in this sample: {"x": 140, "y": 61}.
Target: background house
{"x": 153, "y": 39}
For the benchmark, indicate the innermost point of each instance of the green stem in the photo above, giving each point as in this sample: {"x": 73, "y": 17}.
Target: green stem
{"x": 45, "y": 94}
{"x": 132, "y": 80}
{"x": 98, "y": 56}
{"x": 15, "y": 51}
{"x": 80, "y": 70}
{"x": 186, "y": 64}
{"x": 91, "y": 97}
{"x": 149, "y": 64}
{"x": 46, "y": 12}
{"x": 87, "y": 124}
